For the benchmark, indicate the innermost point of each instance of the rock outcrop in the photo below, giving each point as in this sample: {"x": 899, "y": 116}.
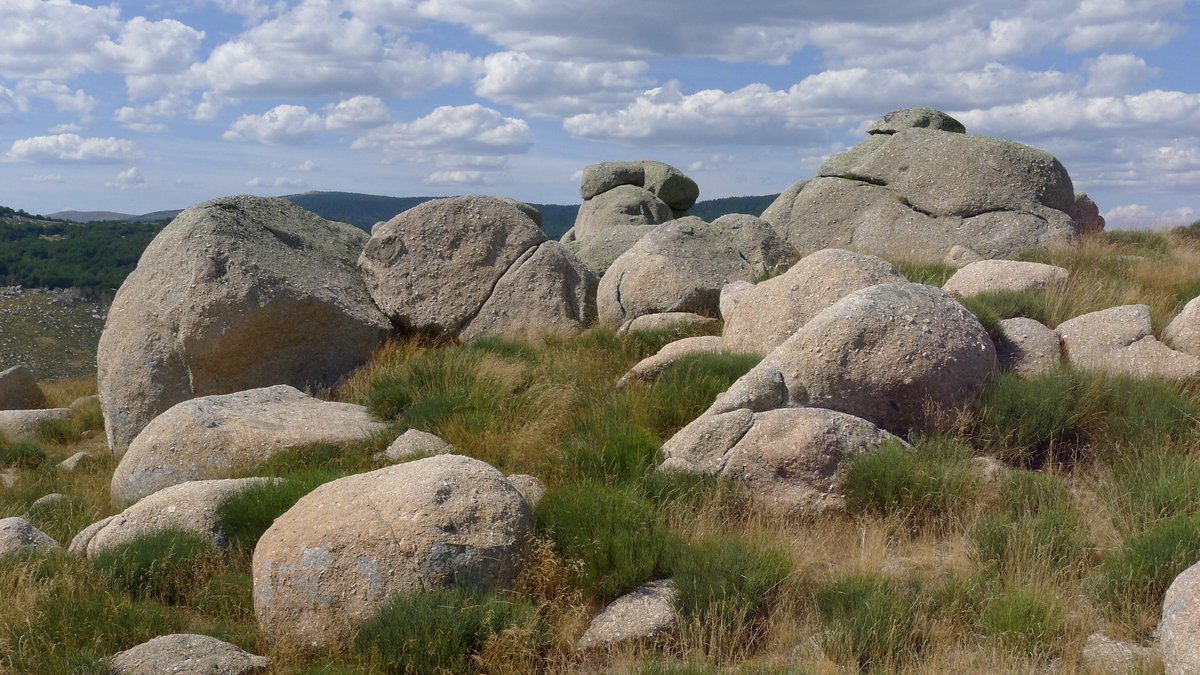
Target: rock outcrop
{"x": 683, "y": 265}
{"x": 184, "y": 654}
{"x": 236, "y": 293}
{"x": 219, "y": 436}
{"x": 1027, "y": 348}
{"x": 19, "y": 390}
{"x": 773, "y": 310}
{"x": 918, "y": 186}
{"x": 1179, "y": 631}
{"x": 327, "y": 564}
{"x": 988, "y": 276}
{"x": 466, "y": 266}
{"x": 645, "y": 615}
{"x": 1183, "y": 333}
{"x": 1121, "y": 340}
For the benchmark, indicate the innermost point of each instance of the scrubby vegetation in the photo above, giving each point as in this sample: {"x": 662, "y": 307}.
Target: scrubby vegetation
{"x": 935, "y": 566}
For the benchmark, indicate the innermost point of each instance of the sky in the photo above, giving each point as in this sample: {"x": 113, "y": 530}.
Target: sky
{"x": 142, "y": 106}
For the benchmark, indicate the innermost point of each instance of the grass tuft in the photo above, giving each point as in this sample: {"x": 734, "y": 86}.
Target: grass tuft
{"x": 729, "y": 575}
{"x": 928, "y": 485}
{"x": 22, "y": 455}
{"x": 166, "y": 566}
{"x": 1133, "y": 580}
{"x": 1025, "y": 621}
{"x": 868, "y": 621}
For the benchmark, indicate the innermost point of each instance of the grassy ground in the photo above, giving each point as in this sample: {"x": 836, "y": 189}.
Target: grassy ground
{"x": 54, "y": 336}
{"x": 932, "y": 569}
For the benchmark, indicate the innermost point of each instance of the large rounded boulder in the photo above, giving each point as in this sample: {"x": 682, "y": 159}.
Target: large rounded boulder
{"x": 329, "y": 562}
{"x": 236, "y": 293}
{"x": 470, "y": 265}
{"x": 218, "y": 436}
{"x": 773, "y": 310}
{"x": 682, "y": 266}
{"x": 888, "y": 354}
{"x": 919, "y": 186}
{"x": 19, "y": 390}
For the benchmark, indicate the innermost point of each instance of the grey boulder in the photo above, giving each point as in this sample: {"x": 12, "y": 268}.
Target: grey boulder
{"x": 221, "y": 435}
{"x": 645, "y": 615}
{"x": 988, "y": 276}
{"x": 1027, "y": 348}
{"x": 1183, "y": 333}
{"x": 185, "y": 654}
{"x": 19, "y": 390}
{"x": 416, "y": 443}
{"x": 18, "y": 535}
{"x": 920, "y": 117}
{"x": 1179, "y": 631}
{"x": 1120, "y": 340}
{"x": 236, "y": 293}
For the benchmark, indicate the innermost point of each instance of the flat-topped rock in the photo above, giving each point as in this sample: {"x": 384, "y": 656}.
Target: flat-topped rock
{"x": 1120, "y": 340}
{"x": 184, "y": 654}
{"x": 24, "y": 424}
{"x": 987, "y": 276}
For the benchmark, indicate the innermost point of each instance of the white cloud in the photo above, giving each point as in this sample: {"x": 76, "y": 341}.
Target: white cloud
{"x": 129, "y": 179}
{"x": 470, "y": 130}
{"x": 149, "y": 118}
{"x": 307, "y": 165}
{"x": 713, "y": 163}
{"x": 63, "y": 98}
{"x": 150, "y": 47}
{"x": 45, "y": 178}
{"x": 1155, "y": 111}
{"x": 1115, "y": 74}
{"x": 552, "y": 88}
{"x": 317, "y": 49}
{"x": 73, "y": 148}
{"x": 1141, "y": 217}
{"x": 280, "y": 183}
{"x": 358, "y": 112}
{"x": 11, "y": 102}
{"x": 68, "y": 128}
{"x": 458, "y": 177}
{"x": 253, "y": 10}
{"x": 282, "y": 124}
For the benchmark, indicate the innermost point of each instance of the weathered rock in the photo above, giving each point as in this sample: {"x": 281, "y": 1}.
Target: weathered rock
{"x": 50, "y": 501}
{"x": 1180, "y": 626}
{"x": 624, "y": 205}
{"x": 1183, "y": 333}
{"x": 236, "y": 293}
{"x": 413, "y": 443}
{"x": 221, "y": 435}
{"x": 1027, "y": 348}
{"x": 917, "y": 192}
{"x": 602, "y": 177}
{"x": 669, "y": 321}
{"x": 989, "y": 469}
{"x": 1086, "y": 214}
{"x": 19, "y": 390}
{"x": 887, "y": 354}
{"x": 1102, "y": 655}
{"x": 184, "y": 654}
{"x": 534, "y": 214}
{"x": 545, "y": 291}
{"x": 683, "y": 265}
{"x": 329, "y": 562}
{"x": 75, "y": 461}
{"x": 598, "y": 251}
{"x": 643, "y": 616}
{"x": 191, "y": 507}
{"x": 24, "y": 424}
{"x": 435, "y": 265}
{"x": 84, "y": 402}
{"x": 961, "y": 256}
{"x": 530, "y": 488}
{"x": 776, "y": 308}
{"x": 791, "y": 459}
{"x": 731, "y": 296}
{"x": 1120, "y": 340}
{"x": 17, "y": 535}
{"x": 671, "y": 186}
{"x": 987, "y": 276}
{"x": 912, "y": 118}
{"x": 649, "y": 368}
{"x": 700, "y": 447}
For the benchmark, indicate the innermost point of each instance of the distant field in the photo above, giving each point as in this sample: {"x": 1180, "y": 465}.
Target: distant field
{"x": 54, "y": 336}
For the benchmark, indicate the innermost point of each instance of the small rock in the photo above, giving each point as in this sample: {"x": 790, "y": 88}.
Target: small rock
{"x": 987, "y": 276}
{"x": 649, "y": 368}
{"x": 1104, "y": 656}
{"x": 415, "y": 442}
{"x": 989, "y": 469}
{"x": 669, "y": 321}
{"x": 17, "y": 534}
{"x": 959, "y": 257}
{"x": 1120, "y": 340}
{"x": 75, "y": 461}
{"x": 919, "y": 117}
{"x": 19, "y": 390}
{"x": 49, "y": 501}
{"x": 1027, "y": 348}
{"x": 530, "y": 488}
{"x": 183, "y": 654}
{"x": 645, "y": 615}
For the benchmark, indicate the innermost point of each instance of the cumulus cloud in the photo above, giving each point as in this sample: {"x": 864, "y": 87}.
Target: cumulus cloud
{"x": 282, "y": 124}
{"x": 316, "y": 48}
{"x": 357, "y": 113}
{"x": 280, "y": 182}
{"x": 1115, "y": 74}
{"x": 73, "y": 148}
{"x": 149, "y": 118}
{"x": 1142, "y": 217}
{"x": 129, "y": 179}
{"x": 470, "y": 130}
{"x": 1074, "y": 112}
{"x": 713, "y": 163}
{"x": 552, "y": 88}
{"x": 63, "y": 98}
{"x": 458, "y": 177}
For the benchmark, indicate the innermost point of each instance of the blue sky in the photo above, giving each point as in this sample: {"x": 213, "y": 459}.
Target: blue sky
{"x": 141, "y": 106}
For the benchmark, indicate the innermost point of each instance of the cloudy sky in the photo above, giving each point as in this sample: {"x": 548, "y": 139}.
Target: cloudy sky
{"x": 140, "y": 106}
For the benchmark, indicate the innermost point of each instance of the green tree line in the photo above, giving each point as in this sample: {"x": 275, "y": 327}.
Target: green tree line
{"x": 95, "y": 257}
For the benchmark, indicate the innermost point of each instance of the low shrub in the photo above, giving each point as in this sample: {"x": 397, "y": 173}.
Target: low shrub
{"x": 926, "y": 485}
{"x": 436, "y": 631}
{"x": 616, "y": 534}
{"x": 1134, "y": 579}
{"x": 729, "y": 575}
{"x": 1024, "y": 621}
{"x": 22, "y": 455}
{"x": 868, "y": 621}
{"x": 166, "y": 566}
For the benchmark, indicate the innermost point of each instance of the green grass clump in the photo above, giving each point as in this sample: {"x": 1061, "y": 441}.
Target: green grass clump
{"x": 617, "y": 535}
{"x": 245, "y": 516}
{"x": 1148, "y": 488}
{"x": 686, "y": 388}
{"x": 926, "y": 485}
{"x": 438, "y": 387}
{"x": 728, "y": 575}
{"x": 1055, "y": 417}
{"x": 502, "y": 347}
{"x": 605, "y": 444}
{"x": 321, "y": 462}
{"x": 88, "y": 417}
{"x": 166, "y": 566}
{"x": 1025, "y": 621}
{"x": 1134, "y": 579}
{"x": 437, "y": 631}
{"x": 1135, "y": 242}
{"x": 1035, "y": 528}
{"x": 868, "y": 621}
{"x": 993, "y": 307}
{"x": 931, "y": 274}
{"x": 22, "y": 455}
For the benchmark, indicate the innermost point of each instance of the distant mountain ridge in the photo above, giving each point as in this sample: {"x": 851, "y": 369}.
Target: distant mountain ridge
{"x": 365, "y": 210}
